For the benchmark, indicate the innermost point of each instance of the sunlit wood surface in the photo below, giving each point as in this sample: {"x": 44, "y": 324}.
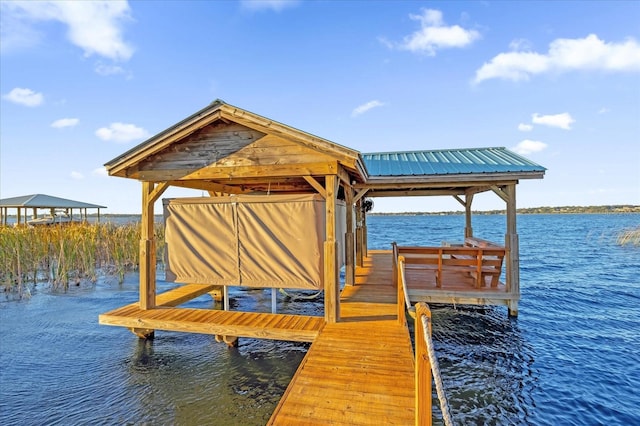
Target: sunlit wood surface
{"x": 299, "y": 328}
{"x": 358, "y": 371}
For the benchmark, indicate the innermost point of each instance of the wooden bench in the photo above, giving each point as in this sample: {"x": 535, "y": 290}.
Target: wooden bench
{"x": 493, "y": 260}
{"x": 479, "y": 262}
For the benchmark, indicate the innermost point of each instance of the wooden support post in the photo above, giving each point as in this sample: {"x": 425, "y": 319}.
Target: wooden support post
{"x": 513, "y": 251}
{"x": 147, "y": 250}
{"x": 216, "y": 294}
{"x": 350, "y": 267}
{"x": 364, "y": 235}
{"x": 468, "y": 230}
{"x": 331, "y": 280}
{"x": 423, "y": 369}
{"x": 398, "y": 267}
{"x": 143, "y": 333}
{"x": 359, "y": 256}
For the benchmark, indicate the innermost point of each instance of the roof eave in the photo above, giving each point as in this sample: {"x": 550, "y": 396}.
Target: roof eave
{"x": 452, "y": 178}
{"x": 159, "y": 141}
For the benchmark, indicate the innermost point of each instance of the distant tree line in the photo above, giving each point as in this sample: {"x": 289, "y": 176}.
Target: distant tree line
{"x": 623, "y": 208}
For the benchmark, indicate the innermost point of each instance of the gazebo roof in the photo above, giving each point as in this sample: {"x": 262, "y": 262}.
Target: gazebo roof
{"x": 42, "y": 201}
{"x": 226, "y": 149}
{"x": 448, "y": 162}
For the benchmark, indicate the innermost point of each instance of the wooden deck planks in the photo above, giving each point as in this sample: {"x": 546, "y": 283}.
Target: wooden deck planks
{"x": 359, "y": 371}
{"x": 240, "y": 324}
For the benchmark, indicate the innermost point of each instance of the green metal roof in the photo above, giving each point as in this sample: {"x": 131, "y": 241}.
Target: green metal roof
{"x": 448, "y": 162}
{"x": 46, "y": 202}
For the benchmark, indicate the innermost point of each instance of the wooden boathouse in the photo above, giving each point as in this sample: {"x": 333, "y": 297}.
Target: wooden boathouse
{"x": 286, "y": 209}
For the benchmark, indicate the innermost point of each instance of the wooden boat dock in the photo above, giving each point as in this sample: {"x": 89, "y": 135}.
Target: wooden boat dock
{"x": 287, "y": 209}
{"x": 358, "y": 371}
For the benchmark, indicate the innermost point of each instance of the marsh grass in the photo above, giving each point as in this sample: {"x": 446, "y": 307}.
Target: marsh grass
{"x": 629, "y": 237}
{"x": 64, "y": 255}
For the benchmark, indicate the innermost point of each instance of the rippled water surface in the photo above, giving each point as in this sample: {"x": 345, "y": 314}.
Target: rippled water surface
{"x": 572, "y": 357}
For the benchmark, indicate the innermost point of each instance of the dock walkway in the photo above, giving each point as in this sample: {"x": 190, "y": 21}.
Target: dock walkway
{"x": 359, "y": 371}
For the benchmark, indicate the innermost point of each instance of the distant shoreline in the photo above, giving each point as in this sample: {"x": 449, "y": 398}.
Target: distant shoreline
{"x": 608, "y": 209}
{"x": 614, "y": 209}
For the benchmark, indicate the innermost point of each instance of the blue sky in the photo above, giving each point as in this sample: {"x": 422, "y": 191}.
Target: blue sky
{"x": 558, "y": 82}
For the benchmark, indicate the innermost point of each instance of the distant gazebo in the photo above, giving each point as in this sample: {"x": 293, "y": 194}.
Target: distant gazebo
{"x": 37, "y": 202}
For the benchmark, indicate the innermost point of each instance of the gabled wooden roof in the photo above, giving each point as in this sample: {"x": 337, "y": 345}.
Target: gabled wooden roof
{"x": 223, "y": 146}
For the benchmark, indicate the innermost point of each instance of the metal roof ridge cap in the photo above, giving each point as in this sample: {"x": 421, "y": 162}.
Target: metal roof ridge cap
{"x": 434, "y": 150}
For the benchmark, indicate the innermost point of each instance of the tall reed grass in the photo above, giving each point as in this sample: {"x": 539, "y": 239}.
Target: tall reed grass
{"x": 68, "y": 254}
{"x": 630, "y": 237}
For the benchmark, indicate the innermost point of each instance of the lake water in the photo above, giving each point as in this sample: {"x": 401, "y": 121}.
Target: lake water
{"x": 572, "y": 357}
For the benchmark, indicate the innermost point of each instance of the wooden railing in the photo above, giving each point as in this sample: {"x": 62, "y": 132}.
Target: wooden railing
{"x": 423, "y": 365}
{"x": 479, "y": 262}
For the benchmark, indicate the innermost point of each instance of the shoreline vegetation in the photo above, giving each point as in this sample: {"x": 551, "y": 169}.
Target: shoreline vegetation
{"x": 69, "y": 255}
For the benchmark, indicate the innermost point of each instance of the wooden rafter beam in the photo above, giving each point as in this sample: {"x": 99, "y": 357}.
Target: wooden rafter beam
{"x": 460, "y": 200}
{"x": 158, "y": 191}
{"x": 209, "y": 186}
{"x": 500, "y": 193}
{"x": 266, "y": 171}
{"x": 316, "y": 185}
{"x": 440, "y": 181}
{"x": 359, "y": 194}
{"x": 414, "y": 192}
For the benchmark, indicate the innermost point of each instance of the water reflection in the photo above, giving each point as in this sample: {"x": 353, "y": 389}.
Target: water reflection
{"x": 486, "y": 364}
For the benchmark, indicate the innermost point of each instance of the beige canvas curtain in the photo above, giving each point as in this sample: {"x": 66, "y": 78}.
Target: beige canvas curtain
{"x": 249, "y": 240}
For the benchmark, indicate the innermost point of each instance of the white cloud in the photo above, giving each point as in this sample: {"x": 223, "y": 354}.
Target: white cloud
{"x": 520, "y": 44}
{"x": 100, "y": 171}
{"x": 366, "y": 107}
{"x": 525, "y": 127}
{"x": 562, "y": 121}
{"x": 589, "y": 53}
{"x": 276, "y": 5}
{"x": 26, "y": 97}
{"x": 104, "y": 69}
{"x": 528, "y": 146}
{"x": 65, "y": 122}
{"x": 121, "y": 132}
{"x": 15, "y": 33}
{"x": 94, "y": 26}
{"x": 76, "y": 175}
{"x": 434, "y": 35}
{"x": 604, "y": 110}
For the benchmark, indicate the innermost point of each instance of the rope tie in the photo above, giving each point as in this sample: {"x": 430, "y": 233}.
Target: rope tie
{"x": 437, "y": 378}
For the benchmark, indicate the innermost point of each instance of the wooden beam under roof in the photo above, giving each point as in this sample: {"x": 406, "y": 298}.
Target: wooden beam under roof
{"x": 264, "y": 171}
{"x": 427, "y": 184}
{"x": 204, "y": 185}
{"x": 416, "y": 192}
{"x": 476, "y": 179}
